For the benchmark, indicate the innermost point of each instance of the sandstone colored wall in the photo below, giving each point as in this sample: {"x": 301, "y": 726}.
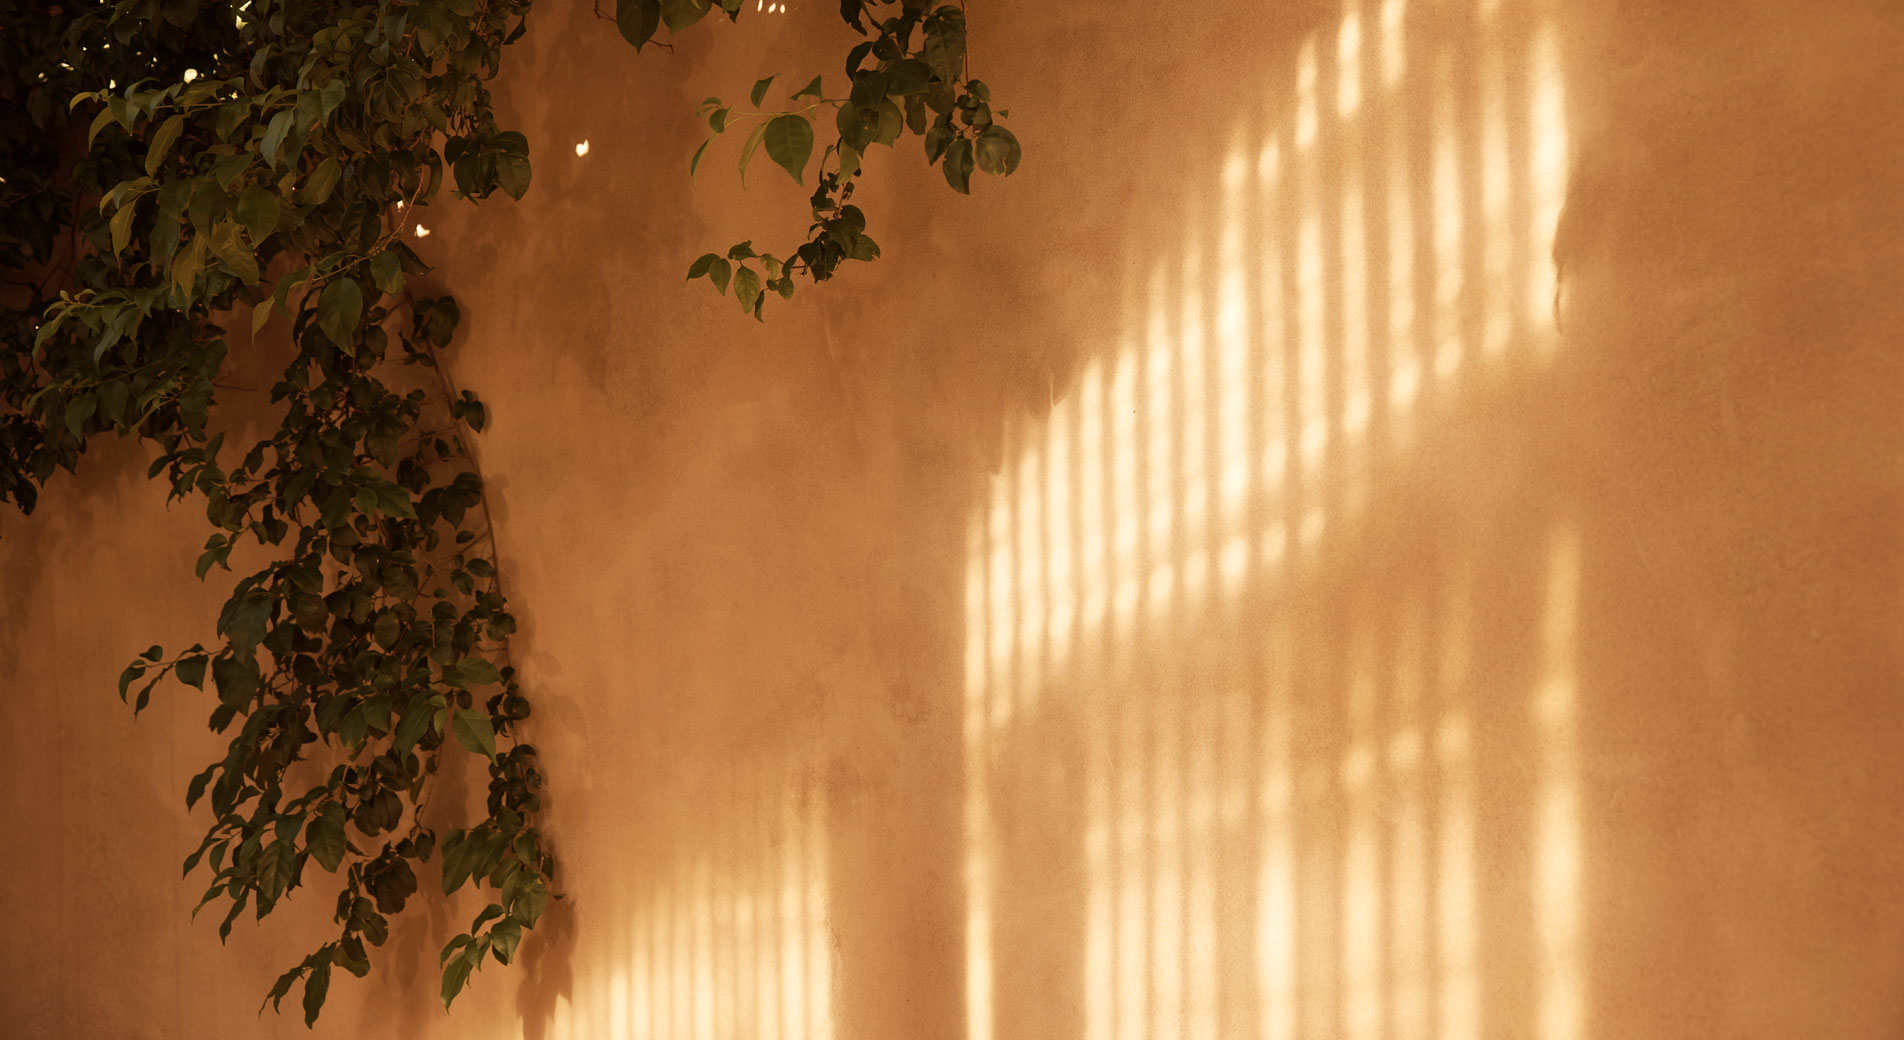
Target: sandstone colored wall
{"x": 1210, "y": 585}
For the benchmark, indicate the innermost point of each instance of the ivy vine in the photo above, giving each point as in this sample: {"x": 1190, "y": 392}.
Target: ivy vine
{"x": 171, "y": 162}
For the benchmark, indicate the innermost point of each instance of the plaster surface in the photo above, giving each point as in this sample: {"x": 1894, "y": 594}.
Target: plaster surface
{"x": 1386, "y": 526}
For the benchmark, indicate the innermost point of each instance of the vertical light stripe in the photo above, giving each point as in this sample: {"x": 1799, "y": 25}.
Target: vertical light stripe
{"x": 1167, "y": 855}
{"x": 819, "y": 996}
{"x": 988, "y": 562}
{"x": 1276, "y": 886}
{"x": 1034, "y": 607}
{"x": 1201, "y": 836}
{"x": 1357, "y": 382}
{"x": 1556, "y": 894}
{"x": 618, "y": 1018}
{"x": 1407, "y": 867}
{"x": 1094, "y": 576}
{"x": 1459, "y": 988}
{"x": 1394, "y": 43}
{"x": 1547, "y": 130}
{"x": 1306, "y": 115}
{"x": 1498, "y": 237}
{"x": 1404, "y": 362}
{"x": 1312, "y": 400}
{"x": 1361, "y": 914}
{"x": 1060, "y": 574}
{"x": 1449, "y": 276}
{"x": 1162, "y": 419}
{"x": 703, "y": 950}
{"x": 1348, "y": 62}
{"x": 1192, "y": 477}
{"x": 1233, "y": 465}
{"x": 1273, "y": 422}
{"x": 1126, "y": 496}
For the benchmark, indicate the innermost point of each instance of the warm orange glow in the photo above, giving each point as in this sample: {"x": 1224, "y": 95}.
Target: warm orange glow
{"x": 1331, "y": 289}
{"x": 1556, "y": 890}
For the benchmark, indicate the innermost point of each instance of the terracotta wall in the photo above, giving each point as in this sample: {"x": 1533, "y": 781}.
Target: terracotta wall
{"x": 1211, "y": 585}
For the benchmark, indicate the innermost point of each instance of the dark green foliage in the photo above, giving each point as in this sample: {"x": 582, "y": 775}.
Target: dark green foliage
{"x": 169, "y": 163}
{"x": 908, "y": 77}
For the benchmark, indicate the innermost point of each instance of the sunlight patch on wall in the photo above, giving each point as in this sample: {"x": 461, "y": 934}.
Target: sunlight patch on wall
{"x": 728, "y": 936}
{"x": 1377, "y": 248}
{"x": 1556, "y": 883}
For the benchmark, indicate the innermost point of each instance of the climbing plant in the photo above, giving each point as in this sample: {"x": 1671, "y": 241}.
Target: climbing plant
{"x": 172, "y": 166}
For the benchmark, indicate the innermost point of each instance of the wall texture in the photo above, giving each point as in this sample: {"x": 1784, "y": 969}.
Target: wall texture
{"x": 1386, "y": 527}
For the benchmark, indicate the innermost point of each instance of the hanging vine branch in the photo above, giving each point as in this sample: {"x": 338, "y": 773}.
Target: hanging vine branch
{"x": 268, "y": 154}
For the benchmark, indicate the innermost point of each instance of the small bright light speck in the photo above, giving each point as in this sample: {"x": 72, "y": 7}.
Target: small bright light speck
{"x": 190, "y": 75}
{"x": 581, "y": 147}
{"x": 422, "y": 232}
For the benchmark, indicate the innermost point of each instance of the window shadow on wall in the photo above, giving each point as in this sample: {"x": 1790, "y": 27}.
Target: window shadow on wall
{"x": 1270, "y": 673}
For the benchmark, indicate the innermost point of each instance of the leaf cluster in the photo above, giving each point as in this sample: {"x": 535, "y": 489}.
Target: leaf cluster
{"x": 169, "y": 164}
{"x": 267, "y": 154}
{"x": 908, "y": 77}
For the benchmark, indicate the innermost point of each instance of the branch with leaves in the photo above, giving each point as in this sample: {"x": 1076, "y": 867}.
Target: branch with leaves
{"x": 909, "y": 76}
{"x": 170, "y": 162}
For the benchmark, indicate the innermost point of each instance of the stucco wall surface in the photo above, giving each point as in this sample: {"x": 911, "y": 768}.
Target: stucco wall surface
{"x": 1385, "y": 527}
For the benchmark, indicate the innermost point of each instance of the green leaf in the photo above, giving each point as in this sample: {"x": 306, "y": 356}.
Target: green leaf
{"x": 810, "y": 90}
{"x": 747, "y": 150}
{"x": 78, "y": 411}
{"x": 746, "y": 287}
{"x": 196, "y": 789}
{"x": 244, "y": 619}
{"x": 997, "y": 151}
{"x": 410, "y": 729}
{"x": 275, "y": 998}
{"x": 789, "y": 141}
{"x": 637, "y": 20}
{"x": 695, "y": 162}
{"x": 317, "y": 188}
{"x": 317, "y": 985}
{"x": 122, "y": 224}
{"x": 99, "y": 123}
{"x": 191, "y": 671}
{"x": 473, "y": 730}
{"x": 325, "y": 837}
{"x": 339, "y": 309}
{"x": 274, "y": 134}
{"x": 237, "y": 681}
{"x": 958, "y": 166}
{"x": 719, "y": 273}
{"x": 258, "y": 211}
{"x": 456, "y": 972}
{"x": 512, "y": 172}
{"x": 477, "y": 671}
{"x": 274, "y": 866}
{"x": 112, "y": 401}
{"x": 162, "y": 141}
{"x": 386, "y": 269}
{"x": 133, "y": 671}
{"x": 234, "y": 252}
{"x": 529, "y": 907}
{"x": 681, "y": 14}
{"x": 504, "y": 937}
{"x": 945, "y": 43}
{"x": 702, "y": 265}
{"x": 759, "y": 91}
{"x": 351, "y": 730}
